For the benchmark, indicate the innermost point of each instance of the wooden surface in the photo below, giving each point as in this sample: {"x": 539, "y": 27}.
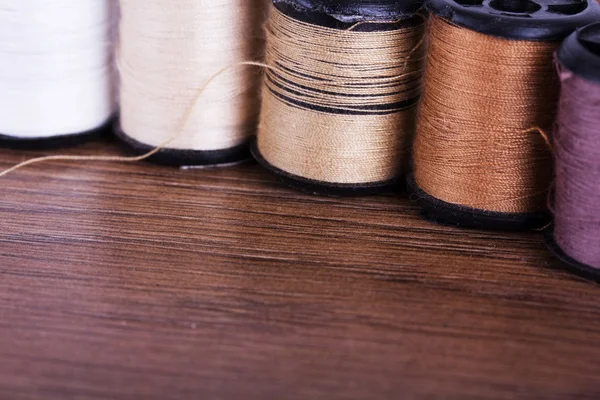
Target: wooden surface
{"x": 145, "y": 282}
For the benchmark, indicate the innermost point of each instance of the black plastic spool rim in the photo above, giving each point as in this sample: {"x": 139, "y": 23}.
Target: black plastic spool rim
{"x": 182, "y": 157}
{"x": 185, "y": 158}
{"x": 438, "y": 211}
{"x": 530, "y": 20}
{"x": 344, "y": 14}
{"x": 580, "y": 54}
{"x": 319, "y": 188}
{"x": 56, "y": 141}
{"x": 569, "y": 263}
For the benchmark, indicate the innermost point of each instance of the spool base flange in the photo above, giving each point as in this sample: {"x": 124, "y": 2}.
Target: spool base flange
{"x": 186, "y": 158}
{"x": 569, "y": 263}
{"x": 439, "y": 211}
{"x": 319, "y": 188}
{"x": 55, "y": 142}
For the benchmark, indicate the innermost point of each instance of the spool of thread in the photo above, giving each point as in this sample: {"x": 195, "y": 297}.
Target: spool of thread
{"x": 56, "y": 79}
{"x": 168, "y": 54}
{"x": 576, "y": 235}
{"x": 339, "y": 103}
{"x": 482, "y": 157}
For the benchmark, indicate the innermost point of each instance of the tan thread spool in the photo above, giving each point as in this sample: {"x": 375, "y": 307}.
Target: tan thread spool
{"x": 488, "y": 101}
{"x": 342, "y": 109}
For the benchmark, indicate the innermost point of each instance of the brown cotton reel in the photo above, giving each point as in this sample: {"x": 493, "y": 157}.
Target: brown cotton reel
{"x": 482, "y": 154}
{"x": 339, "y": 103}
{"x": 479, "y": 145}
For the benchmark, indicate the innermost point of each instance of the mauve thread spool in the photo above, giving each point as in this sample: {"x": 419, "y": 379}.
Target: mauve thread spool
{"x": 57, "y": 80}
{"x": 575, "y": 238}
{"x": 515, "y": 28}
{"x": 342, "y": 15}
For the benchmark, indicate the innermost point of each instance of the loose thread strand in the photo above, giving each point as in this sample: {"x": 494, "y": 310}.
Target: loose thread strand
{"x": 184, "y": 124}
{"x": 186, "y": 120}
{"x": 188, "y": 116}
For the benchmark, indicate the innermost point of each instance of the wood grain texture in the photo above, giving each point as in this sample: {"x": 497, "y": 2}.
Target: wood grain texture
{"x": 139, "y": 281}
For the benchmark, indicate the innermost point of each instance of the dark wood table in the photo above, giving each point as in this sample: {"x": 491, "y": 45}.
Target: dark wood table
{"x": 135, "y": 281}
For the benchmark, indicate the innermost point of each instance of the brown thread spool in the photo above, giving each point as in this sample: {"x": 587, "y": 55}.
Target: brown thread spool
{"x": 481, "y": 157}
{"x": 338, "y": 113}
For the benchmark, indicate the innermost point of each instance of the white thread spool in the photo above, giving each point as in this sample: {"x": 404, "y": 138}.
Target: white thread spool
{"x": 168, "y": 52}
{"x": 57, "y": 68}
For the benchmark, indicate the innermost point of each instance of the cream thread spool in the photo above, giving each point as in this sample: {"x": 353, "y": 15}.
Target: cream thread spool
{"x": 57, "y": 75}
{"x": 308, "y": 115}
{"x": 166, "y": 54}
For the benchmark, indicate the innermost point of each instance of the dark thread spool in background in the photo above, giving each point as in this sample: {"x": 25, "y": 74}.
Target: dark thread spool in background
{"x": 529, "y": 20}
{"x": 343, "y": 15}
{"x": 578, "y": 59}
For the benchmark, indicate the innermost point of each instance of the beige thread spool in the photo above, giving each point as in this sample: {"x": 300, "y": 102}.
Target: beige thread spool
{"x": 339, "y": 112}
{"x": 167, "y": 53}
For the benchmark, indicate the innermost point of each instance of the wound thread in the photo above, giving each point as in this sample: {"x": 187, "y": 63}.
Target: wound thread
{"x": 486, "y": 101}
{"x": 577, "y": 149}
{"x": 167, "y": 53}
{"x": 57, "y": 75}
{"x": 340, "y": 107}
